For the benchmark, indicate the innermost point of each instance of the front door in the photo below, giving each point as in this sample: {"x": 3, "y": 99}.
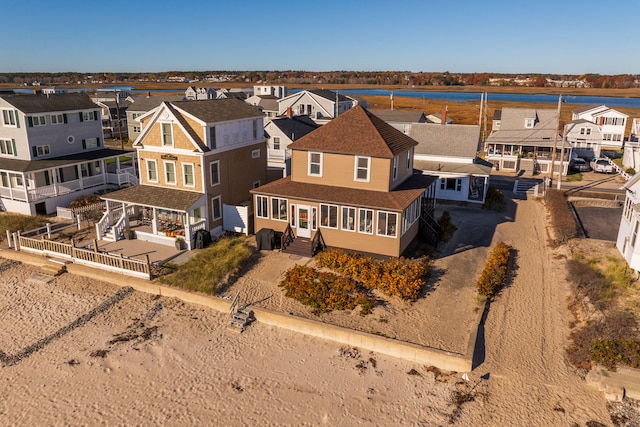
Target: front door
{"x": 304, "y": 226}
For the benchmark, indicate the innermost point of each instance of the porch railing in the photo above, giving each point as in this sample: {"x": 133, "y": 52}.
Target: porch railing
{"x": 317, "y": 243}
{"x": 287, "y": 237}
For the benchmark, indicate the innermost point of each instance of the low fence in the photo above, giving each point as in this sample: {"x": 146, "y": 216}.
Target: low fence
{"x": 93, "y": 258}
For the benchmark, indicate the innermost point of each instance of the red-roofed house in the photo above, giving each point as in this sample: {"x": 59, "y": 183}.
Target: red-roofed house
{"x": 353, "y": 186}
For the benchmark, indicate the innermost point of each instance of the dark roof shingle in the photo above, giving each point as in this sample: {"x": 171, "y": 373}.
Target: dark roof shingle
{"x": 40, "y": 103}
{"x": 218, "y": 110}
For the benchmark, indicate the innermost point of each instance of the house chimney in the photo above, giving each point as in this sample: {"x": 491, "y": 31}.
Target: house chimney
{"x": 289, "y": 113}
{"x": 444, "y": 115}
{"x": 148, "y": 94}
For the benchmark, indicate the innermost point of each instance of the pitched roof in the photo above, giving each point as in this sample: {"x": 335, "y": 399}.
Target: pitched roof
{"x": 148, "y": 103}
{"x": 298, "y": 126}
{"x": 356, "y": 132}
{"x": 587, "y": 108}
{"x": 396, "y": 200}
{"x": 218, "y": 110}
{"x": 157, "y": 197}
{"x": 400, "y": 116}
{"x": 479, "y": 167}
{"x": 39, "y": 103}
{"x": 512, "y": 130}
{"x": 268, "y": 102}
{"x": 195, "y": 136}
{"x": 446, "y": 140}
{"x": 329, "y": 94}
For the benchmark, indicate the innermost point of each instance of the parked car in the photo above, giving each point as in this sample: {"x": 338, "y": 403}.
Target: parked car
{"x": 579, "y": 165}
{"x": 601, "y": 165}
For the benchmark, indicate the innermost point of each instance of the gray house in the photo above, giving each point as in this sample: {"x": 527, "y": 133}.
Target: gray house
{"x": 400, "y": 119}
{"x": 451, "y": 153}
{"x": 139, "y": 105}
{"x": 52, "y": 152}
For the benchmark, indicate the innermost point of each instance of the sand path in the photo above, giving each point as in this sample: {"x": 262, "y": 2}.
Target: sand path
{"x": 529, "y": 380}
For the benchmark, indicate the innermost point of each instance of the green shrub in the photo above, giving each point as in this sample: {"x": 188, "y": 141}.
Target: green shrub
{"x": 494, "y": 275}
{"x": 610, "y": 353}
{"x": 630, "y": 171}
{"x": 494, "y": 200}
{"x": 447, "y": 228}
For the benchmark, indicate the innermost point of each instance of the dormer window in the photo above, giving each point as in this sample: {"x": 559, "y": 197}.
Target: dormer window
{"x": 528, "y": 123}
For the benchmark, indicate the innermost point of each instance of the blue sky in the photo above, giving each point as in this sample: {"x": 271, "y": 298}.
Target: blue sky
{"x": 544, "y": 36}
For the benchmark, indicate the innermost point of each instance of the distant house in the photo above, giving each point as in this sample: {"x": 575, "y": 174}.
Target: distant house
{"x": 138, "y": 106}
{"x": 437, "y": 118}
{"x": 268, "y": 104}
{"x": 197, "y": 161}
{"x": 196, "y": 93}
{"x": 400, "y": 119}
{"x": 110, "y": 112}
{"x": 270, "y": 90}
{"x": 585, "y": 138}
{"x": 231, "y": 93}
{"x": 612, "y": 123}
{"x": 353, "y": 186}
{"x": 319, "y": 104}
{"x": 52, "y": 152}
{"x": 523, "y": 139}
{"x": 280, "y": 132}
{"x": 628, "y": 242}
{"x": 451, "y": 153}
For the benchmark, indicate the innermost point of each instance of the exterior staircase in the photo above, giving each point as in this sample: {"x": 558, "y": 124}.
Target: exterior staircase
{"x": 241, "y": 317}
{"x": 53, "y": 268}
{"x": 528, "y": 167}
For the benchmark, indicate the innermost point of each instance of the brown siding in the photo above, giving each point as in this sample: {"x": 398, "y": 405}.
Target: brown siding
{"x": 180, "y": 139}
{"x": 339, "y": 170}
{"x": 182, "y": 158}
{"x": 403, "y": 173}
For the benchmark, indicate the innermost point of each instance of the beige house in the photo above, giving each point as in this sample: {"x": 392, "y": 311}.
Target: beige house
{"x": 352, "y": 186}
{"x": 197, "y": 162}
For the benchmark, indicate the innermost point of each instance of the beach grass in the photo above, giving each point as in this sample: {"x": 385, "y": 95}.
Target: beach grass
{"x": 18, "y": 222}
{"x": 207, "y": 270}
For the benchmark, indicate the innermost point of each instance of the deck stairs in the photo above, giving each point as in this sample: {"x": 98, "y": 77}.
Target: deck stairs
{"x": 241, "y": 317}
{"x": 301, "y": 246}
{"x": 528, "y": 167}
{"x": 53, "y": 268}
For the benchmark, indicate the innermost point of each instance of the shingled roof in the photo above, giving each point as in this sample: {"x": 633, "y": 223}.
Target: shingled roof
{"x": 356, "y": 132}
{"x": 446, "y": 140}
{"x": 39, "y": 103}
{"x": 513, "y": 131}
{"x": 329, "y": 94}
{"x": 298, "y": 126}
{"x": 218, "y": 110}
{"x": 148, "y": 103}
{"x": 397, "y": 199}
{"x": 157, "y": 197}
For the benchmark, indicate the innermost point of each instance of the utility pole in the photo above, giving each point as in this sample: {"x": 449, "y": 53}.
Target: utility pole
{"x": 564, "y": 140}
{"x": 118, "y": 117}
{"x": 555, "y": 139}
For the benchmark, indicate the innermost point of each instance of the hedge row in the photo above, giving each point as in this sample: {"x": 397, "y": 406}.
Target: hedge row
{"x": 609, "y": 353}
{"x": 494, "y": 275}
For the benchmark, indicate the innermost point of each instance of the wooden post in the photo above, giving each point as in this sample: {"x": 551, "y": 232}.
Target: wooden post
{"x": 121, "y": 262}
{"x": 48, "y": 230}
{"x": 9, "y": 239}
{"x": 95, "y": 250}
{"x": 148, "y": 265}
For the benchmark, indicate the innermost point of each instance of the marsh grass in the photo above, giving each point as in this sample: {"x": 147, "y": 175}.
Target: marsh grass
{"x": 206, "y": 271}
{"x": 14, "y": 222}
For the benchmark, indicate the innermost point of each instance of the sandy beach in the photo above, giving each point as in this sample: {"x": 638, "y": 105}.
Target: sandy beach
{"x": 78, "y": 351}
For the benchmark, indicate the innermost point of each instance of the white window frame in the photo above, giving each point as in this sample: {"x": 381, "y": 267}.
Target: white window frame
{"x": 214, "y": 200}
{"x": 6, "y": 148}
{"x": 57, "y": 119}
{"x": 528, "y": 123}
{"x": 358, "y": 168}
{"x": 365, "y": 215}
{"x": 318, "y": 163}
{"x": 255, "y": 154}
{"x": 166, "y": 172}
{"x": 43, "y": 150}
{"x": 634, "y": 233}
{"x": 385, "y": 232}
{"x": 9, "y": 118}
{"x": 262, "y": 206}
{"x": 255, "y": 184}
{"x": 163, "y": 135}
{"x": 88, "y": 116}
{"x": 409, "y": 158}
{"x": 193, "y": 174}
{"x": 91, "y": 143}
{"x": 38, "y": 120}
{"x": 150, "y": 169}
{"x": 217, "y": 175}
{"x": 348, "y": 212}
{"x": 314, "y": 218}
{"x": 329, "y": 208}
{"x": 276, "y": 142}
{"x": 279, "y": 214}
{"x": 395, "y": 167}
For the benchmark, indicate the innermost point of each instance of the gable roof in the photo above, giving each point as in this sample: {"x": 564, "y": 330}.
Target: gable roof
{"x": 39, "y": 103}
{"x": 329, "y": 94}
{"x": 400, "y": 116}
{"x": 148, "y": 103}
{"x": 356, "y": 132}
{"x": 298, "y": 126}
{"x": 446, "y": 140}
{"x": 512, "y": 130}
{"x": 588, "y": 108}
{"x": 218, "y": 110}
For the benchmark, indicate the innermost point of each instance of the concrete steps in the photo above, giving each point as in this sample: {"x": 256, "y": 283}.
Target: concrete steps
{"x": 616, "y": 385}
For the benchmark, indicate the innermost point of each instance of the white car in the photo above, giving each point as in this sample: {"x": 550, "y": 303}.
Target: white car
{"x": 601, "y": 165}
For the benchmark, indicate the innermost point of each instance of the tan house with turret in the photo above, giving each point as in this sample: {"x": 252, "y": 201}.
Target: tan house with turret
{"x": 352, "y": 186}
{"x": 198, "y": 160}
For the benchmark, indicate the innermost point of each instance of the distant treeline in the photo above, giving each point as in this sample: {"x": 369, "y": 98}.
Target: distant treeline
{"x": 292, "y": 77}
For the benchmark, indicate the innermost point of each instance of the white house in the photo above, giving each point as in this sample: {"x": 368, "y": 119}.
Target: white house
{"x": 193, "y": 93}
{"x": 281, "y": 132}
{"x": 319, "y": 104}
{"x": 585, "y": 138}
{"x": 52, "y": 152}
{"x": 451, "y": 153}
{"x": 268, "y": 104}
{"x": 628, "y": 243}
{"x": 277, "y": 91}
{"x": 400, "y": 119}
{"x": 612, "y": 123}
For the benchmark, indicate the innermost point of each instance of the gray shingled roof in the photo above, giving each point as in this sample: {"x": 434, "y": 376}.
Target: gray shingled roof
{"x": 513, "y": 131}
{"x": 586, "y": 108}
{"x": 218, "y": 110}
{"x": 156, "y": 197}
{"x": 268, "y": 102}
{"x": 400, "y": 116}
{"x": 55, "y": 162}
{"x": 446, "y": 140}
{"x": 144, "y": 104}
{"x": 329, "y": 94}
{"x": 298, "y": 126}
{"x": 39, "y": 103}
